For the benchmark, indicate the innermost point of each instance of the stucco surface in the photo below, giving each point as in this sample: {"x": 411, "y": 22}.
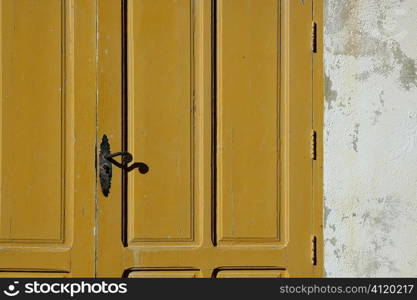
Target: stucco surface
{"x": 370, "y": 166}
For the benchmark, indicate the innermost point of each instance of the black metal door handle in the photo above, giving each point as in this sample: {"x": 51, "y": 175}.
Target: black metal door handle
{"x": 106, "y": 160}
{"x": 126, "y": 159}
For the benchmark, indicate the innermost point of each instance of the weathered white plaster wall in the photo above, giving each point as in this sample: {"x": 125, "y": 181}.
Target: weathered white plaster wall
{"x": 370, "y": 167}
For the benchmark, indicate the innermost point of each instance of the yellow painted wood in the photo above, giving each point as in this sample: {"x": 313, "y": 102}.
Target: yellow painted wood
{"x": 33, "y": 129}
{"x": 164, "y": 274}
{"x": 249, "y": 116}
{"x": 224, "y": 124}
{"x": 110, "y": 256}
{"x": 161, "y": 93}
{"x": 47, "y": 73}
{"x": 32, "y": 275}
{"x": 318, "y": 100}
{"x": 251, "y": 274}
{"x": 250, "y": 204}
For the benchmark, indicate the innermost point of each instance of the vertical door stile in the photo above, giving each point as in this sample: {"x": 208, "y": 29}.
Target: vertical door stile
{"x": 318, "y": 79}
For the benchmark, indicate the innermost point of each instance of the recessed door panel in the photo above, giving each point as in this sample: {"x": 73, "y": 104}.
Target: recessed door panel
{"x": 32, "y": 275}
{"x": 41, "y": 115}
{"x": 160, "y": 120}
{"x": 35, "y": 116}
{"x": 248, "y": 132}
{"x": 251, "y": 274}
{"x": 164, "y": 274}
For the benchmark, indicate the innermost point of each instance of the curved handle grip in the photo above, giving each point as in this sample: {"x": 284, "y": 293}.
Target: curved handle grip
{"x": 106, "y": 160}
{"x": 126, "y": 159}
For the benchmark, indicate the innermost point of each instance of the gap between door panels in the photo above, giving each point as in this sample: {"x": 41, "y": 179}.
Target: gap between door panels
{"x": 214, "y": 122}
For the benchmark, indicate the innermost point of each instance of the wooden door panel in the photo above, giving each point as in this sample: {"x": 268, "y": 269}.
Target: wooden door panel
{"x": 40, "y": 122}
{"x": 160, "y": 129}
{"x": 164, "y": 274}
{"x": 45, "y": 258}
{"x": 248, "y": 119}
{"x": 35, "y": 114}
{"x": 33, "y": 275}
{"x": 251, "y": 274}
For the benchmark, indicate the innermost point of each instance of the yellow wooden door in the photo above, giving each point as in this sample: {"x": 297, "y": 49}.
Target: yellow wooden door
{"x": 217, "y": 99}
{"x": 47, "y": 136}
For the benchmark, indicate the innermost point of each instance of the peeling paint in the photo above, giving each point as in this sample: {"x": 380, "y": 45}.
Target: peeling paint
{"x": 379, "y": 110}
{"x": 355, "y": 137}
{"x": 408, "y": 71}
{"x": 370, "y": 137}
{"x": 333, "y": 241}
{"x": 326, "y": 214}
{"x": 331, "y": 95}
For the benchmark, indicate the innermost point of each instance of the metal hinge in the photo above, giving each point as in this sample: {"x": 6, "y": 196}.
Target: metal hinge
{"x": 314, "y": 38}
{"x": 314, "y": 251}
{"x": 313, "y": 145}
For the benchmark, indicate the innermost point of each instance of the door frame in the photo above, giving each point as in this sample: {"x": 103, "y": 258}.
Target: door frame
{"x": 318, "y": 128}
